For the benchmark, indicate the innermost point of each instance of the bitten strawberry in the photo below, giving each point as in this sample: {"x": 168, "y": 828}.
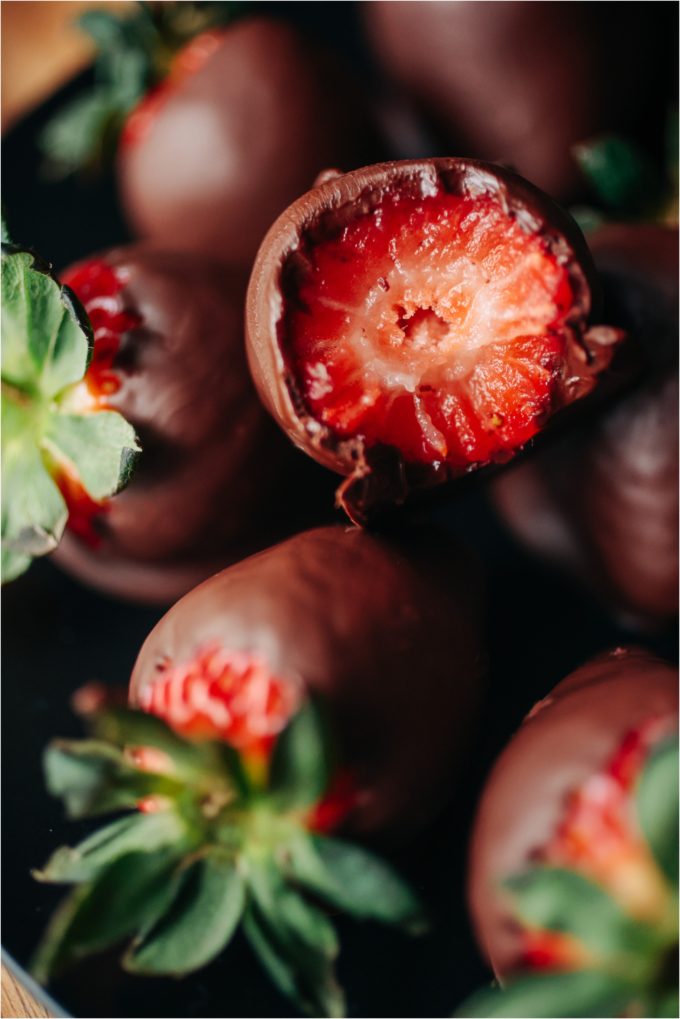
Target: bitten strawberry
{"x": 219, "y": 119}
{"x": 168, "y": 354}
{"x": 235, "y": 784}
{"x": 574, "y": 856}
{"x": 410, "y": 322}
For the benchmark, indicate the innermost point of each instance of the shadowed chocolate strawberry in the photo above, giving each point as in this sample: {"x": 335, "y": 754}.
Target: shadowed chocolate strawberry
{"x": 235, "y": 785}
{"x": 223, "y": 119}
{"x": 168, "y": 354}
{"x": 410, "y": 322}
{"x": 574, "y": 855}
{"x": 523, "y": 83}
{"x": 604, "y": 500}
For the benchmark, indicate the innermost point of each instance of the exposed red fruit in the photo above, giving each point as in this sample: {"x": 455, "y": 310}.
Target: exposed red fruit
{"x": 599, "y": 836}
{"x": 551, "y": 950}
{"x": 228, "y": 695}
{"x": 189, "y": 60}
{"x": 340, "y": 799}
{"x": 98, "y": 288}
{"x": 433, "y": 324}
{"x": 152, "y": 804}
{"x": 83, "y": 510}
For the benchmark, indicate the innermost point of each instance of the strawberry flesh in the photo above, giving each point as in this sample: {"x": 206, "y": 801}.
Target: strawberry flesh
{"x": 230, "y": 696}
{"x": 434, "y": 324}
{"x": 599, "y": 838}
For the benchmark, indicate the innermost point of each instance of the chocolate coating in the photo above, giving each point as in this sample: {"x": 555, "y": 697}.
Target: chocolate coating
{"x": 240, "y": 139}
{"x": 387, "y": 633}
{"x": 379, "y": 477}
{"x": 604, "y": 500}
{"x": 202, "y": 493}
{"x": 522, "y": 83}
{"x": 566, "y": 738}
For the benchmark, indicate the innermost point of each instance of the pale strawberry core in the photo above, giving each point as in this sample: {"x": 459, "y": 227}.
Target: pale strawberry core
{"x": 431, "y": 323}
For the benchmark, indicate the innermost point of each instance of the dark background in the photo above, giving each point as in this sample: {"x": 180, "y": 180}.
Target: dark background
{"x": 58, "y": 635}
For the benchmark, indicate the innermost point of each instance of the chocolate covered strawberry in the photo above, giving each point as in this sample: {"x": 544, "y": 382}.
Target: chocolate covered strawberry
{"x": 411, "y": 322}
{"x": 53, "y": 436}
{"x": 523, "y": 83}
{"x": 219, "y": 119}
{"x": 236, "y": 787}
{"x": 604, "y": 500}
{"x": 574, "y": 856}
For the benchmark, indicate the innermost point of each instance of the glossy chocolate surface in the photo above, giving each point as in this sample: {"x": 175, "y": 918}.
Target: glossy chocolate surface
{"x": 378, "y": 476}
{"x": 389, "y": 635}
{"x": 202, "y": 493}
{"x": 522, "y": 83}
{"x": 604, "y": 499}
{"x": 241, "y": 138}
{"x": 567, "y": 737}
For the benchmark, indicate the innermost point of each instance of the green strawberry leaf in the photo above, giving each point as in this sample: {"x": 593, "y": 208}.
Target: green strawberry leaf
{"x": 665, "y": 1005}
{"x": 93, "y": 778}
{"x": 657, "y": 806}
{"x": 193, "y": 761}
{"x": 126, "y": 896}
{"x": 583, "y": 993}
{"x": 83, "y": 133}
{"x": 294, "y": 940}
{"x": 560, "y": 900}
{"x": 354, "y": 880}
{"x": 46, "y": 346}
{"x": 132, "y": 833}
{"x": 199, "y": 923}
{"x": 621, "y": 175}
{"x": 300, "y": 766}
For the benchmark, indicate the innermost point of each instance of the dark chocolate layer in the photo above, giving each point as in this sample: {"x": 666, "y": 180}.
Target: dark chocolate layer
{"x": 205, "y": 488}
{"x": 378, "y": 476}
{"x": 240, "y": 139}
{"x": 388, "y": 633}
{"x": 604, "y": 499}
{"x": 567, "y": 737}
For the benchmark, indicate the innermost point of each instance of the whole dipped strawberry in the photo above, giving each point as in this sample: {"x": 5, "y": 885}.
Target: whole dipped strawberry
{"x": 574, "y": 856}
{"x": 522, "y": 84}
{"x": 49, "y": 433}
{"x": 169, "y": 355}
{"x": 219, "y": 119}
{"x": 411, "y": 322}
{"x": 237, "y": 788}
{"x": 604, "y": 500}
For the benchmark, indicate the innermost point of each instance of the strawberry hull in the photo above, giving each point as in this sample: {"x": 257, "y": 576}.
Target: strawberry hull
{"x": 168, "y": 355}
{"x": 387, "y": 635}
{"x": 604, "y": 500}
{"x": 209, "y": 161}
{"x": 411, "y": 322}
{"x": 603, "y": 720}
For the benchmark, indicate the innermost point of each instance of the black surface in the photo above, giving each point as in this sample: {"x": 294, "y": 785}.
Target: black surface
{"x": 58, "y": 635}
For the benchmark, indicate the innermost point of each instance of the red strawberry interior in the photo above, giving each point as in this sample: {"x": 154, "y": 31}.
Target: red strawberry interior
{"x": 433, "y": 323}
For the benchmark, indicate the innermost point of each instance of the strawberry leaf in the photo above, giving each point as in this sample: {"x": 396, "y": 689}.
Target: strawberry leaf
{"x": 621, "y": 175}
{"x": 657, "y": 806}
{"x": 199, "y": 922}
{"x": 356, "y": 881}
{"x": 46, "y": 345}
{"x": 126, "y": 896}
{"x": 132, "y": 833}
{"x": 294, "y": 940}
{"x": 300, "y": 765}
{"x": 583, "y": 993}
{"x": 562, "y": 900}
{"x": 94, "y": 778}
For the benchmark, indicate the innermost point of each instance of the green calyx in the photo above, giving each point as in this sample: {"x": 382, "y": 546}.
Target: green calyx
{"x": 632, "y": 967}
{"x": 134, "y": 53}
{"x": 228, "y": 843}
{"x": 46, "y": 348}
{"x": 626, "y": 183}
